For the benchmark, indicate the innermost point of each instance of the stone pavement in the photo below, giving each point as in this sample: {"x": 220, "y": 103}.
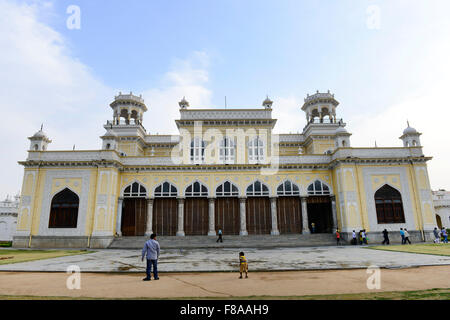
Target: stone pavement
{"x": 226, "y": 259}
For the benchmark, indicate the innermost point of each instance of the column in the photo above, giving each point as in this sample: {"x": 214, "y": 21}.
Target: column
{"x": 305, "y": 222}
{"x": 119, "y": 217}
{"x": 212, "y": 225}
{"x": 273, "y": 211}
{"x": 334, "y": 213}
{"x": 243, "y": 217}
{"x": 149, "y": 228}
{"x": 180, "y": 231}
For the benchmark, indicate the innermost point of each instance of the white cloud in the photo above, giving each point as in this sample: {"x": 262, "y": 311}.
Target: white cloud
{"x": 43, "y": 83}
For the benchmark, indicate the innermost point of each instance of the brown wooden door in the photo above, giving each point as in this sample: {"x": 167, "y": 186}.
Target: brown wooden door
{"x": 196, "y": 216}
{"x": 319, "y": 212}
{"x": 258, "y": 216}
{"x": 289, "y": 215}
{"x": 165, "y": 216}
{"x": 226, "y": 215}
{"x": 134, "y": 217}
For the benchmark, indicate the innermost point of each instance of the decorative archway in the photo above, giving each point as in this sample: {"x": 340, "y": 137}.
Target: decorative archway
{"x": 64, "y": 210}
{"x": 134, "y": 214}
{"x": 389, "y": 205}
{"x": 165, "y": 209}
{"x": 319, "y": 207}
{"x": 196, "y": 216}
{"x": 289, "y": 214}
{"x": 226, "y": 209}
{"x": 258, "y": 209}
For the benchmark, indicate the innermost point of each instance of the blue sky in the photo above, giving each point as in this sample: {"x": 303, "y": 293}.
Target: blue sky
{"x": 205, "y": 50}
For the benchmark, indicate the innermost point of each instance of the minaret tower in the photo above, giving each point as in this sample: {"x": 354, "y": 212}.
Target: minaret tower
{"x": 320, "y": 105}
{"x": 410, "y": 137}
{"x": 39, "y": 141}
{"x": 128, "y": 109}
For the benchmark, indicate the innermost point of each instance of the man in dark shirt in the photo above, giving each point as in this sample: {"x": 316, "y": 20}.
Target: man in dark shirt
{"x": 385, "y": 236}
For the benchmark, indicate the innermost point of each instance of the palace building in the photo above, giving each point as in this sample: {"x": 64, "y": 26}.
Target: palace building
{"x": 225, "y": 169}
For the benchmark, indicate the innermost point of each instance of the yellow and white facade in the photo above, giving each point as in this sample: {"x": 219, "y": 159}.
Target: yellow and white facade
{"x": 335, "y": 184}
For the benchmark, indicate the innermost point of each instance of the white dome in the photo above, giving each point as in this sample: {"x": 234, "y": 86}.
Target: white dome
{"x": 410, "y": 130}
{"x": 40, "y": 134}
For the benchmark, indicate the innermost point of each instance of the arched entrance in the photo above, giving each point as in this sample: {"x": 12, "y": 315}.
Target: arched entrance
{"x": 319, "y": 207}
{"x": 289, "y": 212}
{"x": 134, "y": 216}
{"x": 165, "y": 210}
{"x": 64, "y": 210}
{"x": 196, "y": 210}
{"x": 258, "y": 212}
{"x": 389, "y": 206}
{"x": 226, "y": 211}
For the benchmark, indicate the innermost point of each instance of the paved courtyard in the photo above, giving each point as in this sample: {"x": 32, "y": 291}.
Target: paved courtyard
{"x": 226, "y": 259}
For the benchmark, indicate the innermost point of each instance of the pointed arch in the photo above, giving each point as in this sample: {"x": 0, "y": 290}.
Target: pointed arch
{"x": 64, "y": 209}
{"x": 165, "y": 189}
{"x": 227, "y": 189}
{"x": 196, "y": 189}
{"x": 318, "y": 188}
{"x": 257, "y": 189}
{"x": 288, "y": 188}
{"x": 389, "y": 205}
{"x": 134, "y": 190}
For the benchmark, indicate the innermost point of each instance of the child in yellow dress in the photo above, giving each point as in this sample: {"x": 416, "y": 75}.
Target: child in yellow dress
{"x": 243, "y": 265}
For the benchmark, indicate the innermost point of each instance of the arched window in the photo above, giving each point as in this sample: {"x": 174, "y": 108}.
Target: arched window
{"x": 36, "y": 147}
{"x": 108, "y": 146}
{"x": 227, "y": 189}
{"x": 226, "y": 151}
{"x": 135, "y": 190}
{"x": 255, "y": 150}
{"x": 64, "y": 210}
{"x": 389, "y": 206}
{"x": 197, "y": 151}
{"x": 196, "y": 190}
{"x": 288, "y": 188}
{"x": 317, "y": 188}
{"x": 166, "y": 190}
{"x": 257, "y": 189}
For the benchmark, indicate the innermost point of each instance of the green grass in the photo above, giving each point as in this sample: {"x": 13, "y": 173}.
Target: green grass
{"x": 430, "y": 294}
{"x": 17, "y": 256}
{"x": 424, "y": 248}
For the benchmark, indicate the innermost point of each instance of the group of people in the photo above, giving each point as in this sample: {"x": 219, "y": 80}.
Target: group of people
{"x": 360, "y": 238}
{"x": 440, "y": 234}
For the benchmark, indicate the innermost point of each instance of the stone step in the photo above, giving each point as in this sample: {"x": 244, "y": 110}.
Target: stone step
{"x": 257, "y": 241}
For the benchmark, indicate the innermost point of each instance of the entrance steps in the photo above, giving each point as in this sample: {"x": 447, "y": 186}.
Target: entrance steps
{"x": 252, "y": 241}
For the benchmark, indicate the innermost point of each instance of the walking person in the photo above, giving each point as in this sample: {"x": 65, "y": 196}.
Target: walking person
{"x": 313, "y": 227}
{"x": 437, "y": 235}
{"x": 445, "y": 235}
{"x": 151, "y": 250}
{"x": 363, "y": 236}
{"x": 243, "y": 265}
{"x": 354, "y": 241}
{"x": 402, "y": 233}
{"x": 219, "y": 232}
{"x": 407, "y": 236}
{"x": 386, "y": 237}
{"x": 338, "y": 237}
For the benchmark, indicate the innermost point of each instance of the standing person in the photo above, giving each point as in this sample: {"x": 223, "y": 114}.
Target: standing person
{"x": 363, "y": 236}
{"x": 338, "y": 237}
{"x": 151, "y": 250}
{"x": 407, "y": 236}
{"x": 402, "y": 233}
{"x": 243, "y": 265}
{"x": 360, "y": 239}
{"x": 354, "y": 242}
{"x": 385, "y": 236}
{"x": 220, "y": 235}
{"x": 313, "y": 227}
{"x": 444, "y": 234}
{"x": 437, "y": 238}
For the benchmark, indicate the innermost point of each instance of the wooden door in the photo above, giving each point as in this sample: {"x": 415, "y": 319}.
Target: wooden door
{"x": 227, "y": 216}
{"x": 134, "y": 217}
{"x": 289, "y": 215}
{"x": 258, "y": 216}
{"x": 196, "y": 216}
{"x": 319, "y": 212}
{"x": 165, "y": 214}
